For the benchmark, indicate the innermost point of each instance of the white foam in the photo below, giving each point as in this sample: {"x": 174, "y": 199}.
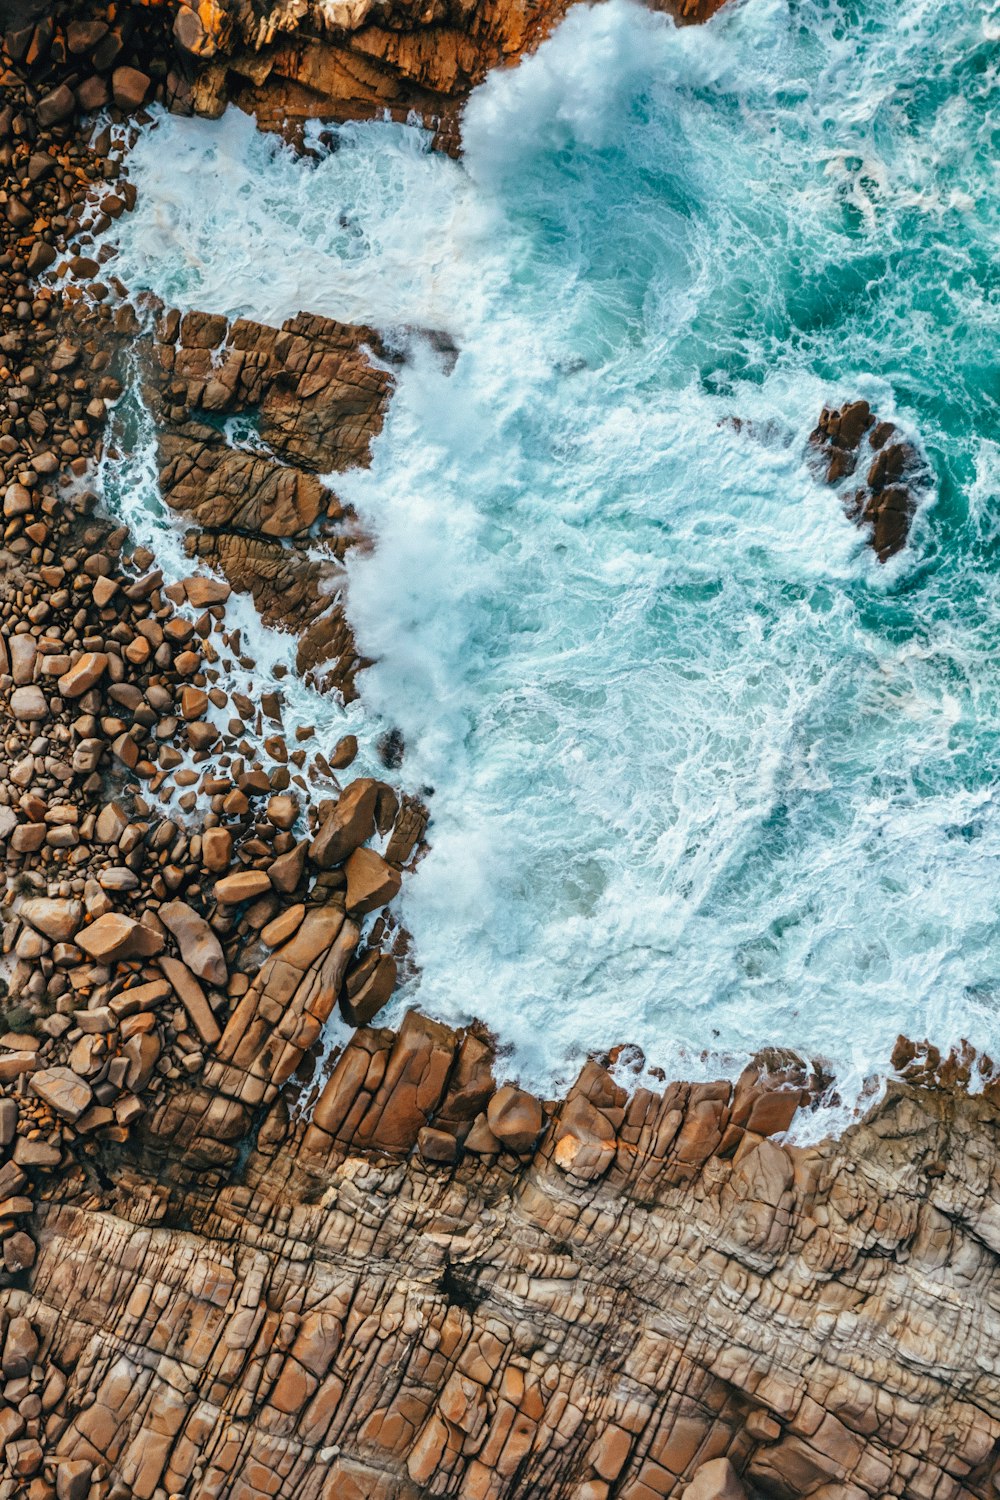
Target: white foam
{"x": 705, "y": 776}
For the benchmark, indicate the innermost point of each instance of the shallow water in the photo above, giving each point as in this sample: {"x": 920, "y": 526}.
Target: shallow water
{"x": 706, "y": 776}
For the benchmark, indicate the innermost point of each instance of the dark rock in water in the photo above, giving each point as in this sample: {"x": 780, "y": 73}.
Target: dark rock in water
{"x": 391, "y": 747}
{"x": 888, "y": 499}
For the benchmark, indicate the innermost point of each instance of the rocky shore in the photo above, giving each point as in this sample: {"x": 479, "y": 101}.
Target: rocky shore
{"x": 231, "y": 1266}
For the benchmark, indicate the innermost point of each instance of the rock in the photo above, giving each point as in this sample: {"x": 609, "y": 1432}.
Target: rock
{"x": 346, "y": 826}
{"x": 197, "y": 942}
{"x": 371, "y": 883}
{"x": 57, "y": 918}
{"x": 216, "y": 849}
{"x": 129, "y": 87}
{"x": 192, "y": 997}
{"x": 62, "y": 1091}
{"x": 18, "y": 1252}
{"x": 286, "y": 871}
{"x": 715, "y": 1480}
{"x": 83, "y": 675}
{"x": 55, "y": 106}
{"x": 242, "y": 885}
{"x": 73, "y": 1477}
{"x": 283, "y": 810}
{"x": 116, "y": 936}
{"x": 345, "y": 751}
{"x": 361, "y": 1003}
{"x": 515, "y": 1118}
{"x": 20, "y": 1348}
{"x": 29, "y": 703}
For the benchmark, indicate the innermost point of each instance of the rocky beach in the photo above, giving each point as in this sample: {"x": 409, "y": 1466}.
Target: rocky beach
{"x": 255, "y": 1241}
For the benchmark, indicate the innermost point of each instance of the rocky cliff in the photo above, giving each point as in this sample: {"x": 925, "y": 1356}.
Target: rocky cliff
{"x": 235, "y": 1264}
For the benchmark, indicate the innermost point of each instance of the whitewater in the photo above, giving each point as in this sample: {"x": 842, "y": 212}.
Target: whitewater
{"x": 704, "y": 775}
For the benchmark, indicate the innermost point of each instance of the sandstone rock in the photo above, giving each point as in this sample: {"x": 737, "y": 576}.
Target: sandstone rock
{"x": 73, "y": 1478}
{"x": 515, "y": 1118}
{"x": 216, "y": 849}
{"x": 715, "y": 1480}
{"x": 199, "y": 946}
{"x": 63, "y": 1091}
{"x": 129, "y": 87}
{"x": 83, "y": 675}
{"x": 192, "y": 997}
{"x": 29, "y": 703}
{"x": 18, "y": 1252}
{"x": 371, "y": 883}
{"x": 57, "y": 918}
{"x": 243, "y": 885}
{"x": 116, "y": 936}
{"x": 347, "y": 825}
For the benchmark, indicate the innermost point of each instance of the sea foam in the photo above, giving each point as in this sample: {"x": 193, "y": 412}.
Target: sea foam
{"x": 704, "y": 776}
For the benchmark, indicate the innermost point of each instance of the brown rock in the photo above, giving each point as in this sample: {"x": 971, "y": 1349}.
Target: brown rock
{"x": 192, "y": 997}
{"x": 346, "y": 826}
{"x": 62, "y": 1091}
{"x": 29, "y": 703}
{"x": 715, "y": 1480}
{"x": 129, "y": 87}
{"x": 242, "y": 885}
{"x": 57, "y": 918}
{"x": 197, "y": 942}
{"x": 371, "y": 883}
{"x": 18, "y": 1252}
{"x": 83, "y": 675}
{"x": 116, "y": 936}
{"x": 515, "y": 1118}
{"x": 216, "y": 849}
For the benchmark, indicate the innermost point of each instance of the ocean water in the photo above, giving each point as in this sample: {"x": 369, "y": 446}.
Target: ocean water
{"x": 704, "y": 775}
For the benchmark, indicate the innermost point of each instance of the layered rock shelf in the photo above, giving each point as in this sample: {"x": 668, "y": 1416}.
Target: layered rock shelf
{"x": 234, "y": 1262}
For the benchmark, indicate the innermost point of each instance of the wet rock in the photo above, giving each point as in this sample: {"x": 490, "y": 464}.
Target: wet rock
{"x": 348, "y": 824}
{"x": 241, "y": 886}
{"x": 371, "y": 882}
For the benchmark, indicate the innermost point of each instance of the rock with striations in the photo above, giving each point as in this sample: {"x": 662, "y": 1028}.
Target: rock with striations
{"x": 198, "y": 944}
{"x": 63, "y": 1091}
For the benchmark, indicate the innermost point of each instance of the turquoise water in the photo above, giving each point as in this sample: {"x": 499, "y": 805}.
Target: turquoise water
{"x": 706, "y": 776}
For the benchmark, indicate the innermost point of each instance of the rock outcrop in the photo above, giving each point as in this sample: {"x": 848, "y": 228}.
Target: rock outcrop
{"x": 887, "y": 498}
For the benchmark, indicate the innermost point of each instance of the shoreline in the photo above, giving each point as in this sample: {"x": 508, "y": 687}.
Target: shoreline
{"x": 431, "y": 1285}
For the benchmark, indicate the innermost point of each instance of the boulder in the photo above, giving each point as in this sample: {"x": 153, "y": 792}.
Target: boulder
{"x": 371, "y": 883}
{"x": 29, "y": 703}
{"x": 115, "y": 936}
{"x": 346, "y": 825}
{"x": 715, "y": 1480}
{"x": 515, "y": 1118}
{"x": 58, "y": 918}
{"x": 62, "y": 1091}
{"x": 129, "y": 87}
{"x": 199, "y": 946}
